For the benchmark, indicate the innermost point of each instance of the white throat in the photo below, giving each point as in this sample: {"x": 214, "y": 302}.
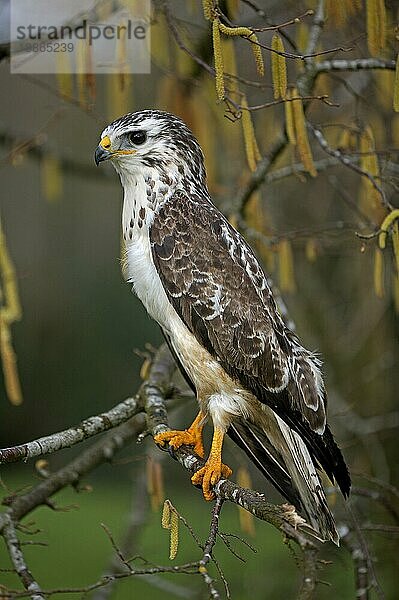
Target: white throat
{"x": 144, "y": 191}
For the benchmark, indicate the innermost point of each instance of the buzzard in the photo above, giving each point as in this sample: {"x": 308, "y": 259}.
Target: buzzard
{"x": 200, "y": 280}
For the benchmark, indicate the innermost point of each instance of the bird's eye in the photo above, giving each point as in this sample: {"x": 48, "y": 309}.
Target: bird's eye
{"x": 137, "y": 137}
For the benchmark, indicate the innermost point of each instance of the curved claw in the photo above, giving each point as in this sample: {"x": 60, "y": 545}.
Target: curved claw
{"x": 189, "y": 437}
{"x": 209, "y": 475}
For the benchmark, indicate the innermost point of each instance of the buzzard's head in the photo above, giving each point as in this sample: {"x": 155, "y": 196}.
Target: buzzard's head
{"x": 151, "y": 139}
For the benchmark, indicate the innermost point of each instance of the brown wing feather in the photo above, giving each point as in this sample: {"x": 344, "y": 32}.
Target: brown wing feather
{"x": 218, "y": 288}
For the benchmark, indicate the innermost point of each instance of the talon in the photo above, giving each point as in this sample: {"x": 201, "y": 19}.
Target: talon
{"x": 214, "y": 469}
{"x": 209, "y": 475}
{"x": 189, "y": 437}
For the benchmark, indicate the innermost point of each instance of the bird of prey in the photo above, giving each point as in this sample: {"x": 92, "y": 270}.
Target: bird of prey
{"x": 200, "y": 280}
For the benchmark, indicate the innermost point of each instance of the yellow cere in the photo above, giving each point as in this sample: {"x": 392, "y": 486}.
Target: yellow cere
{"x": 106, "y": 143}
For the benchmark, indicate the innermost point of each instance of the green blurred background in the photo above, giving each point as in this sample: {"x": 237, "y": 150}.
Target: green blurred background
{"x": 76, "y": 343}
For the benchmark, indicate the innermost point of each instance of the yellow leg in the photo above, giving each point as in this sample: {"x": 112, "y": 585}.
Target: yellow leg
{"x": 189, "y": 437}
{"x": 214, "y": 469}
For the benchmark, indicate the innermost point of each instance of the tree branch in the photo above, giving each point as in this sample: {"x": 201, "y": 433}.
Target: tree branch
{"x": 18, "y": 560}
{"x": 305, "y": 84}
{"x": 357, "y": 64}
{"x": 284, "y": 517}
{"x": 258, "y": 176}
{"x": 73, "y": 435}
{"x": 348, "y": 162}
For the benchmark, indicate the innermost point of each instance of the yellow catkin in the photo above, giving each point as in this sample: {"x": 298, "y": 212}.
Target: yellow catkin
{"x": 230, "y": 66}
{"x": 218, "y": 57}
{"x": 11, "y": 310}
{"x": 344, "y": 141}
{"x": 368, "y": 158}
{"x": 302, "y": 36}
{"x": 207, "y": 6}
{"x": 246, "y": 32}
{"x": 160, "y": 42}
{"x": 90, "y": 78}
{"x": 370, "y": 199}
{"x": 235, "y": 31}
{"x": 170, "y": 520}
{"x": 247, "y": 524}
{"x": 336, "y": 12}
{"x": 253, "y": 210}
{"x": 51, "y": 178}
{"x": 174, "y": 535}
{"x": 164, "y": 92}
{"x": 396, "y": 87}
{"x": 119, "y": 94}
{"x": 339, "y": 11}
{"x": 356, "y": 5}
{"x": 395, "y": 130}
{"x": 395, "y": 244}
{"x": 372, "y": 26}
{"x": 395, "y": 290}
{"x": 232, "y": 8}
{"x": 311, "y": 250}
{"x": 251, "y": 146}
{"x": 257, "y": 52}
{"x": 286, "y": 267}
{"x": 206, "y": 133}
{"x": 385, "y": 225}
{"x": 103, "y": 10}
{"x": 9, "y": 362}
{"x": 383, "y": 23}
{"x": 121, "y": 58}
{"x": 379, "y": 273}
{"x": 154, "y": 483}
{"x": 166, "y": 515}
{"x": 64, "y": 74}
{"x": 376, "y": 26}
{"x": 289, "y": 120}
{"x": 384, "y": 80}
{"x": 258, "y": 219}
{"x": 81, "y": 70}
{"x": 301, "y": 135}
{"x": 279, "y": 68}
{"x": 183, "y": 64}
{"x": 136, "y": 8}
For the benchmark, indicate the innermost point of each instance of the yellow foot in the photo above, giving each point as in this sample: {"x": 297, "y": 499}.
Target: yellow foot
{"x": 176, "y": 438}
{"x": 209, "y": 475}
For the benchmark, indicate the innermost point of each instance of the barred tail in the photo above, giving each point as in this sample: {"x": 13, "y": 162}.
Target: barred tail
{"x": 282, "y": 456}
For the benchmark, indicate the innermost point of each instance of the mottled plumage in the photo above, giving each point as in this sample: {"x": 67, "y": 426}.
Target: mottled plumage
{"x": 199, "y": 279}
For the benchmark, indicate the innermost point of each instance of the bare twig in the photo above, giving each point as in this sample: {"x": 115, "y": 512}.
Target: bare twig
{"x": 18, "y": 560}
{"x": 73, "y": 435}
{"x": 360, "y": 562}
{"x": 258, "y": 176}
{"x": 208, "y": 549}
{"x": 305, "y": 84}
{"x": 357, "y": 64}
{"x": 377, "y": 496}
{"x": 348, "y": 162}
{"x": 381, "y": 528}
{"x": 284, "y": 517}
{"x": 365, "y": 576}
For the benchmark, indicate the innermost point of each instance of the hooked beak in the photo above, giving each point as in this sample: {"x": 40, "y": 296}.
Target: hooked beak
{"x": 103, "y": 150}
{"x": 101, "y": 154}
